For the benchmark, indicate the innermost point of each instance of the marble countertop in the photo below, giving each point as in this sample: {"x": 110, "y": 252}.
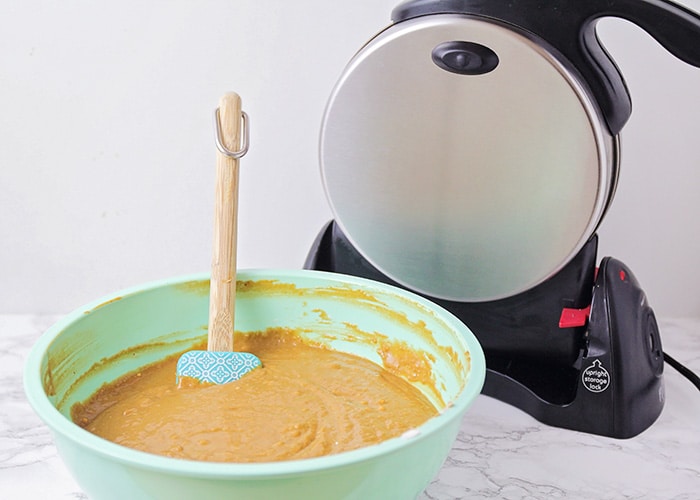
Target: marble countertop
{"x": 501, "y": 452}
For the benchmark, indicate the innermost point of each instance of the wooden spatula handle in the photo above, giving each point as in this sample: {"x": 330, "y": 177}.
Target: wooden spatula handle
{"x": 222, "y": 294}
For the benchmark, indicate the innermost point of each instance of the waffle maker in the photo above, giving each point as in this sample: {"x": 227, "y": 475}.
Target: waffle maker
{"x": 469, "y": 152}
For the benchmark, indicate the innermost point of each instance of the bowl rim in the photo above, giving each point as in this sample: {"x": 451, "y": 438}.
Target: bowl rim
{"x": 59, "y": 424}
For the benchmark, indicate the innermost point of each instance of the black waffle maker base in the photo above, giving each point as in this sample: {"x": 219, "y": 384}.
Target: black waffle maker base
{"x": 580, "y": 351}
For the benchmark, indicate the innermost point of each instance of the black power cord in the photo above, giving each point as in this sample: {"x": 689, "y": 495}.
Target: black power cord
{"x": 683, "y": 370}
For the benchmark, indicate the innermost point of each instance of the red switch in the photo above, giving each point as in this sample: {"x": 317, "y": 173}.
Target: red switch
{"x": 571, "y": 318}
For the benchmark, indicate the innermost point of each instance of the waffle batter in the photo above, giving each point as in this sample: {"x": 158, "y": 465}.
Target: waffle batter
{"x": 306, "y": 401}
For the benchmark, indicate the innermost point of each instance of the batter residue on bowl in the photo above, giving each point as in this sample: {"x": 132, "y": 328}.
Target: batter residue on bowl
{"x": 306, "y": 401}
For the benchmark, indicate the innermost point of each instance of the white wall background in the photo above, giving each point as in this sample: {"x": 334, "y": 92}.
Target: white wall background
{"x": 106, "y": 145}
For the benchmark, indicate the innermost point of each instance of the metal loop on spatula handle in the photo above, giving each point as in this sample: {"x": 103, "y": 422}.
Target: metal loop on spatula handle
{"x": 244, "y": 132}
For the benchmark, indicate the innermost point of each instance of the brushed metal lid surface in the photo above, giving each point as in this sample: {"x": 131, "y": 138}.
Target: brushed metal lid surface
{"x": 466, "y": 187}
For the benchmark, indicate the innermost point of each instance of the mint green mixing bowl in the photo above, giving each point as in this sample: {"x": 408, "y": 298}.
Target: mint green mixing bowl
{"x": 97, "y": 344}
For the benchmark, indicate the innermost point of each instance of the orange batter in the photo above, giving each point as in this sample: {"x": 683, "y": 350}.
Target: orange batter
{"x": 306, "y": 401}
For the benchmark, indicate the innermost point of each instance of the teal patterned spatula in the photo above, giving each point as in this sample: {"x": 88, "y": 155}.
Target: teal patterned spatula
{"x": 219, "y": 364}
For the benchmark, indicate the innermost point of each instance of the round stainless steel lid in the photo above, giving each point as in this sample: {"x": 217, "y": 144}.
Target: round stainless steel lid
{"x": 466, "y": 187}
